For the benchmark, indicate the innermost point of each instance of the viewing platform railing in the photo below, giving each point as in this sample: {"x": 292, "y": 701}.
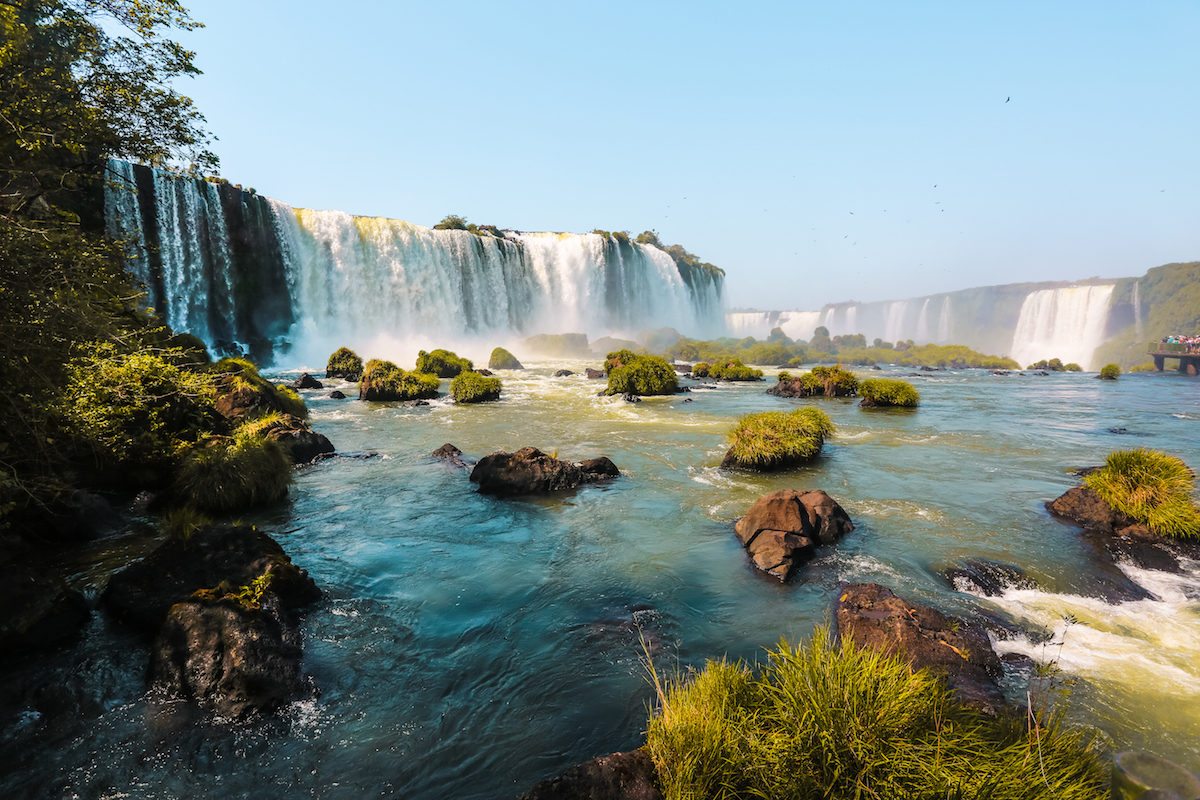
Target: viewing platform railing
{"x": 1172, "y": 349}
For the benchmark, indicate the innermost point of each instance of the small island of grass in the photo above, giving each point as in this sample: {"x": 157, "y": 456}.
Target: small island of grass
{"x": 502, "y": 359}
{"x": 383, "y": 380}
{"x": 1150, "y": 487}
{"x": 630, "y": 373}
{"x": 471, "y": 387}
{"x": 442, "y": 363}
{"x": 774, "y": 440}
{"x": 888, "y": 393}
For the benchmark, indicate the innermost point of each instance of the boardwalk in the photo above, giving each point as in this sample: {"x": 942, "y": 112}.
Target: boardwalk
{"x": 1189, "y": 362}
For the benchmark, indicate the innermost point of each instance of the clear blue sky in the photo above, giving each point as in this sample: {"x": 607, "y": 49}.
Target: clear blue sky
{"x": 817, "y": 151}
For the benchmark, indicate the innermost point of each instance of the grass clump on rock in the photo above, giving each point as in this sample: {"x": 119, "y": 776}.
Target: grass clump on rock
{"x": 471, "y": 387}
{"x": 344, "y": 363}
{"x": 831, "y": 720}
{"x": 1110, "y": 372}
{"x": 640, "y": 375}
{"x": 383, "y": 380}
{"x": 772, "y": 440}
{"x": 502, "y": 359}
{"x": 235, "y": 473}
{"x": 888, "y": 392}
{"x": 1151, "y": 487}
{"x": 442, "y": 363}
{"x": 241, "y": 391}
{"x": 733, "y": 370}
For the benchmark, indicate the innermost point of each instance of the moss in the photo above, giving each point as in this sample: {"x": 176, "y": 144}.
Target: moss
{"x": 643, "y": 375}
{"x": 888, "y": 392}
{"x": 442, "y": 363}
{"x": 471, "y": 387}
{"x": 1110, "y": 372}
{"x": 619, "y": 358}
{"x": 502, "y": 359}
{"x": 249, "y": 596}
{"x": 383, "y": 380}
{"x": 819, "y": 382}
{"x": 1151, "y": 487}
{"x": 773, "y": 440}
{"x": 733, "y": 370}
{"x": 831, "y": 720}
{"x": 232, "y": 474}
{"x": 239, "y": 376}
{"x": 344, "y": 363}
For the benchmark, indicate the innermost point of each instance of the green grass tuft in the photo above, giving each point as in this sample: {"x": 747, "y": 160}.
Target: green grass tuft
{"x": 641, "y": 375}
{"x": 1110, "y": 372}
{"x": 888, "y": 392}
{"x": 1150, "y": 487}
{"x": 442, "y": 363}
{"x": 829, "y": 720}
{"x": 383, "y": 380}
{"x": 777, "y": 439}
{"x": 234, "y": 474}
{"x": 1146, "y": 366}
{"x": 471, "y": 387}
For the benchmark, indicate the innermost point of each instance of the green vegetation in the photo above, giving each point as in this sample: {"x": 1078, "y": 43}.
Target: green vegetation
{"x": 1145, "y": 366}
{"x": 733, "y": 370}
{"x": 442, "y": 363}
{"x": 454, "y": 222}
{"x": 1110, "y": 372}
{"x": 701, "y": 369}
{"x": 344, "y": 363}
{"x": 693, "y": 271}
{"x": 888, "y": 392}
{"x": 471, "y": 387}
{"x": 234, "y": 473}
{"x": 383, "y": 380}
{"x": 502, "y": 359}
{"x": 773, "y": 440}
{"x": 1056, "y": 365}
{"x": 640, "y": 375}
{"x": 1170, "y": 303}
{"x": 818, "y": 382}
{"x": 829, "y": 720}
{"x": 1150, "y": 487}
{"x": 845, "y": 349}
{"x": 238, "y": 382}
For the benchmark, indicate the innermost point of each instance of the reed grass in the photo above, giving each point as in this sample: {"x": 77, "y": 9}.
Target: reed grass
{"x": 888, "y": 392}
{"x": 777, "y": 439}
{"x": 1151, "y": 487}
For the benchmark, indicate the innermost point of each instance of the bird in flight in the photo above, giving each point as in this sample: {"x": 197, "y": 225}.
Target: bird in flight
{"x": 1007, "y": 99}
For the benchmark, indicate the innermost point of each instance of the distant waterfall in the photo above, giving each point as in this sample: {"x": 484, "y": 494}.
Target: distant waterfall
{"x": 1137, "y": 309}
{"x": 759, "y": 324}
{"x": 945, "y": 325}
{"x": 1066, "y": 323}
{"x": 244, "y": 272}
{"x": 893, "y": 326}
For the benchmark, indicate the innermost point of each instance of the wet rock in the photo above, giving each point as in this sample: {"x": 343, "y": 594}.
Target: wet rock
{"x": 688, "y": 400}
{"x": 596, "y": 469}
{"x": 877, "y": 367}
{"x": 987, "y": 578}
{"x": 620, "y": 776}
{"x": 337, "y": 395}
{"x": 872, "y": 616}
{"x": 306, "y": 381}
{"x": 230, "y": 656}
{"x": 1084, "y": 507}
{"x": 593, "y": 374}
{"x": 37, "y": 609}
{"x": 450, "y": 454}
{"x": 781, "y": 530}
{"x": 413, "y": 403}
{"x": 487, "y": 373}
{"x": 143, "y": 593}
{"x": 529, "y": 471}
{"x": 1144, "y": 776}
{"x": 631, "y": 398}
{"x": 562, "y": 373}
{"x": 683, "y": 369}
{"x": 302, "y": 443}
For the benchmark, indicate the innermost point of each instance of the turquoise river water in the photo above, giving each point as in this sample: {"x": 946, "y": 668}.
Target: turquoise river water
{"x": 468, "y": 646}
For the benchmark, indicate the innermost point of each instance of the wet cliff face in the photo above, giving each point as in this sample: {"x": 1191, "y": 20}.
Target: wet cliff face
{"x": 248, "y": 273}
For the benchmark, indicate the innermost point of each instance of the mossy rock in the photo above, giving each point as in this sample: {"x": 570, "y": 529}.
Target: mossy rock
{"x": 345, "y": 364}
{"x": 820, "y": 382}
{"x": 502, "y": 359}
{"x": 642, "y": 375}
{"x": 774, "y": 440}
{"x": 442, "y": 363}
{"x": 471, "y": 387}
{"x": 888, "y": 392}
{"x": 243, "y": 393}
{"x": 1110, "y": 372}
{"x": 733, "y": 369}
{"x": 383, "y": 381}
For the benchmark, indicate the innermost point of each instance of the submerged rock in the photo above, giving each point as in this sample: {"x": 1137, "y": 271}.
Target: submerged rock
{"x": 450, "y": 454}
{"x": 307, "y": 381}
{"x": 873, "y": 616}
{"x": 302, "y": 443}
{"x": 562, "y": 373}
{"x": 337, "y": 395}
{"x": 619, "y": 776}
{"x": 781, "y": 530}
{"x": 593, "y": 374}
{"x": 530, "y": 471}
{"x": 987, "y": 578}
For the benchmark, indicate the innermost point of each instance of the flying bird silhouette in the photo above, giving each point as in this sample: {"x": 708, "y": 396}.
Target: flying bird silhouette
{"x": 1007, "y": 99}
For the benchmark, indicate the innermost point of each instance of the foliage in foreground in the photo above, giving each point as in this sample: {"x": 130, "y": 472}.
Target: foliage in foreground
{"x": 471, "y": 387}
{"x": 241, "y": 375}
{"x": 828, "y": 720}
{"x": 1151, "y": 487}
{"x": 777, "y": 439}
{"x": 235, "y": 473}
{"x": 888, "y": 392}
{"x": 442, "y": 363}
{"x": 1110, "y": 372}
{"x": 640, "y": 375}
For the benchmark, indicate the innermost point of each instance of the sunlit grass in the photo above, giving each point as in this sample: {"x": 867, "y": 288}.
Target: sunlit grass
{"x": 777, "y": 439}
{"x": 888, "y": 392}
{"x": 1151, "y": 487}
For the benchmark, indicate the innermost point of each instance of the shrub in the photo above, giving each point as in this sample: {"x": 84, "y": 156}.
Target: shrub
{"x": 784, "y": 375}
{"x": 888, "y": 392}
{"x": 442, "y": 363}
{"x": 1072, "y": 367}
{"x": 344, "y": 363}
{"x": 1150, "y": 487}
{"x": 502, "y": 359}
{"x": 1110, "y": 372}
{"x": 734, "y": 370}
{"x": 701, "y": 370}
{"x": 136, "y": 409}
{"x": 773, "y": 440}
{"x": 643, "y": 375}
{"x": 471, "y": 387}
{"x": 835, "y": 381}
{"x": 1147, "y": 366}
{"x": 619, "y": 358}
{"x": 831, "y": 720}
{"x": 383, "y": 380}
{"x": 244, "y": 391}
{"x": 234, "y": 474}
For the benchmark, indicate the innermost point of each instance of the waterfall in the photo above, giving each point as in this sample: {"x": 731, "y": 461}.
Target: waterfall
{"x": 893, "y": 326}
{"x": 759, "y": 324}
{"x": 1137, "y": 310}
{"x": 944, "y": 322}
{"x": 923, "y": 336}
{"x": 1065, "y": 323}
{"x": 244, "y": 272}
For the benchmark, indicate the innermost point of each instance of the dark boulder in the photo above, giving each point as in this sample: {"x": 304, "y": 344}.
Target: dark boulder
{"x": 336, "y": 395}
{"x": 631, "y": 398}
{"x": 682, "y": 369}
{"x": 593, "y": 374}
{"x": 987, "y": 578}
{"x": 231, "y": 655}
{"x": 487, "y": 373}
{"x": 562, "y": 373}
{"x": 450, "y": 454}
{"x": 620, "y": 776}
{"x": 303, "y": 444}
{"x": 38, "y": 609}
{"x": 1087, "y": 509}
{"x": 872, "y": 616}
{"x": 307, "y": 381}
{"x": 143, "y": 593}
{"x": 530, "y": 471}
{"x": 781, "y": 530}
{"x": 596, "y": 469}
